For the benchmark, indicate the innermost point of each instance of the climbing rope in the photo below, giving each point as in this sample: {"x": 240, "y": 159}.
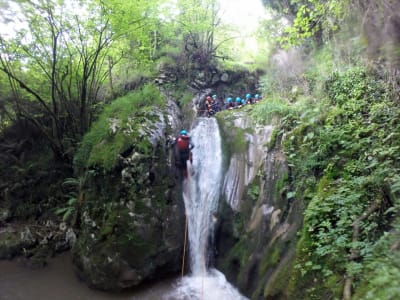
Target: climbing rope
{"x": 186, "y": 191}
{"x": 184, "y": 247}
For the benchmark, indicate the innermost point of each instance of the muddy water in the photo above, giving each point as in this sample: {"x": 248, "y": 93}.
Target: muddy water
{"x": 57, "y": 281}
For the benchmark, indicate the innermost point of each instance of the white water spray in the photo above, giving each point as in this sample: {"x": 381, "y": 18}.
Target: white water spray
{"x": 201, "y": 194}
{"x": 202, "y": 191}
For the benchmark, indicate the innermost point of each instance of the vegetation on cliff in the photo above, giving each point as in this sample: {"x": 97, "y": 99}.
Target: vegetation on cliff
{"x": 120, "y": 123}
{"x": 339, "y": 120}
{"x": 330, "y": 87}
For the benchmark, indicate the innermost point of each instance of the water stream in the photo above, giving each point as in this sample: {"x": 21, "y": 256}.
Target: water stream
{"x": 201, "y": 194}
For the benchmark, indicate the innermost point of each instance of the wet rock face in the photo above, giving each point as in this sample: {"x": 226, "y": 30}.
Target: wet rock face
{"x": 132, "y": 218}
{"x": 256, "y": 236}
{"x": 244, "y": 166}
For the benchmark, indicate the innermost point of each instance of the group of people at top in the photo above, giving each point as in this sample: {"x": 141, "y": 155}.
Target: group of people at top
{"x": 183, "y": 143}
{"x": 214, "y": 104}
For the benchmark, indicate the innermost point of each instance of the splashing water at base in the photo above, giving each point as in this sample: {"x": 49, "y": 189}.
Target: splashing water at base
{"x": 211, "y": 286}
{"x": 201, "y": 193}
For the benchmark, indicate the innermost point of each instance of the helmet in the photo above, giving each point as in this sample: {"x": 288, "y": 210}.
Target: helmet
{"x": 183, "y": 132}
{"x": 248, "y": 96}
{"x": 256, "y": 96}
{"x": 214, "y": 97}
{"x": 229, "y": 99}
{"x": 238, "y": 99}
{"x": 208, "y": 98}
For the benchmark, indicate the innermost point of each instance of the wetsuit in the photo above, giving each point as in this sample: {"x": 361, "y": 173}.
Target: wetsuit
{"x": 183, "y": 146}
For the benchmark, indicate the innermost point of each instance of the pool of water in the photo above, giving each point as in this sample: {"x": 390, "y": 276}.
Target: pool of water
{"x": 58, "y": 281}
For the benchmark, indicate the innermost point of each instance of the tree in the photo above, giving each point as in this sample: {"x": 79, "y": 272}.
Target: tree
{"x": 56, "y": 62}
{"x": 198, "y": 22}
{"x": 310, "y": 18}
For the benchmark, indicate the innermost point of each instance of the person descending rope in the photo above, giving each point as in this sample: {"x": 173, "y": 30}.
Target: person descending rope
{"x": 183, "y": 146}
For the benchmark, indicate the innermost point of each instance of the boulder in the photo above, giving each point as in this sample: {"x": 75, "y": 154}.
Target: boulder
{"x": 13, "y": 241}
{"x": 132, "y": 218}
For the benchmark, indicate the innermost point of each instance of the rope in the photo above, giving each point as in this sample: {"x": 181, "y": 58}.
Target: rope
{"x": 186, "y": 225}
{"x": 185, "y": 236}
{"x": 184, "y": 247}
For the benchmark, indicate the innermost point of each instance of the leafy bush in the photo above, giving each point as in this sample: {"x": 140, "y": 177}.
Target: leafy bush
{"x": 345, "y": 168}
{"x": 266, "y": 110}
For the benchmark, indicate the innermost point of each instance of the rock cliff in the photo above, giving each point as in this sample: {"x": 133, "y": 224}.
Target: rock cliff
{"x": 258, "y": 221}
{"x": 132, "y": 214}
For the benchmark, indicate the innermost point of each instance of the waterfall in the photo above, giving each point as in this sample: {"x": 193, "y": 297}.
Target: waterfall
{"x": 201, "y": 192}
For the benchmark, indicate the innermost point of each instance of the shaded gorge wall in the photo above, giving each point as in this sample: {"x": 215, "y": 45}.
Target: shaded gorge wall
{"x": 258, "y": 219}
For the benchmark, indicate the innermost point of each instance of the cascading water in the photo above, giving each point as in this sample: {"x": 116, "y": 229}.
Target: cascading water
{"x": 201, "y": 192}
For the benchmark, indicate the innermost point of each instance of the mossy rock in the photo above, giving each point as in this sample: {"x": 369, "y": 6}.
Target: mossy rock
{"x": 13, "y": 242}
{"x": 132, "y": 215}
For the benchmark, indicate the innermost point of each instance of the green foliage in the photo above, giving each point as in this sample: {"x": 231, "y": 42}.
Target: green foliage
{"x": 118, "y": 128}
{"x": 253, "y": 191}
{"x": 72, "y": 185}
{"x": 241, "y": 252}
{"x": 382, "y": 270}
{"x": 137, "y": 28}
{"x": 313, "y": 18}
{"x": 55, "y": 63}
{"x": 268, "y": 109}
{"x": 344, "y": 161}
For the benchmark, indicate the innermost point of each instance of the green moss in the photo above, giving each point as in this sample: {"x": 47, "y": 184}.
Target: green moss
{"x": 234, "y": 137}
{"x": 223, "y": 119}
{"x": 118, "y": 127}
{"x": 270, "y": 259}
{"x": 240, "y": 252}
{"x": 277, "y": 286}
{"x": 273, "y": 139}
{"x": 280, "y": 184}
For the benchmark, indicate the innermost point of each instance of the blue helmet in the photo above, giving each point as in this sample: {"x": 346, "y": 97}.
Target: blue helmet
{"x": 229, "y": 99}
{"x": 238, "y": 99}
{"x": 183, "y": 132}
{"x": 248, "y": 96}
{"x": 256, "y": 96}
